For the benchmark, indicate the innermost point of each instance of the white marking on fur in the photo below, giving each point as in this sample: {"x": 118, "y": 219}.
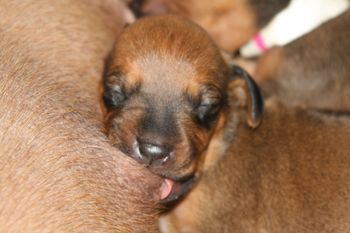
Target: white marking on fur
{"x": 299, "y": 18}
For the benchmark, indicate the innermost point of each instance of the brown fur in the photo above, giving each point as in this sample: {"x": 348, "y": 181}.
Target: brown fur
{"x": 58, "y": 171}
{"x": 289, "y": 175}
{"x": 231, "y": 23}
{"x": 166, "y": 67}
{"x": 312, "y": 71}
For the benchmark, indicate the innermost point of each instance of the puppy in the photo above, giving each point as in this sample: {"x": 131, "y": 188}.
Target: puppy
{"x": 165, "y": 89}
{"x": 291, "y": 174}
{"x": 59, "y": 173}
{"x": 312, "y": 71}
{"x": 231, "y": 23}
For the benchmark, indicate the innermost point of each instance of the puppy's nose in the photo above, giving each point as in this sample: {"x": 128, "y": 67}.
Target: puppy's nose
{"x": 152, "y": 152}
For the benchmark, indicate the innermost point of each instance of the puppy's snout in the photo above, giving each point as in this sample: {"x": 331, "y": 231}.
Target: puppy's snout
{"x": 152, "y": 152}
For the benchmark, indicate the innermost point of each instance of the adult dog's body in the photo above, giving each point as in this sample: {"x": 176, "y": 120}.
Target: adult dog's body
{"x": 58, "y": 172}
{"x": 289, "y": 175}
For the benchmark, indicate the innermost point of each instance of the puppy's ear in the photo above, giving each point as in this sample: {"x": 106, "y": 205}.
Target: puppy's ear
{"x": 245, "y": 92}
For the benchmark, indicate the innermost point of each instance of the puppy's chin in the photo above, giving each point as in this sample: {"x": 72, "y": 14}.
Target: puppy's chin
{"x": 178, "y": 177}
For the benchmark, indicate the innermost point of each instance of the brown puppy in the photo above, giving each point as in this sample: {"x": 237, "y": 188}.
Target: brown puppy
{"x": 312, "y": 71}
{"x": 59, "y": 173}
{"x": 230, "y": 22}
{"x": 166, "y": 96}
{"x": 289, "y": 175}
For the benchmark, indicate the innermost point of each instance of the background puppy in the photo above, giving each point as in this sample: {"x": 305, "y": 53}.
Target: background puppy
{"x": 291, "y": 174}
{"x": 58, "y": 171}
{"x": 165, "y": 92}
{"x": 231, "y": 23}
{"x": 313, "y": 70}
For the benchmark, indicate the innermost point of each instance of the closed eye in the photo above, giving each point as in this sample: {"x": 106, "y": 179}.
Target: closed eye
{"x": 114, "y": 96}
{"x": 206, "y": 104}
{"x": 209, "y": 106}
{"x": 207, "y": 112}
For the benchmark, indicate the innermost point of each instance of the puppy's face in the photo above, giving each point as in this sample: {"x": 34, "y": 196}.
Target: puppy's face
{"x": 165, "y": 92}
{"x": 161, "y": 114}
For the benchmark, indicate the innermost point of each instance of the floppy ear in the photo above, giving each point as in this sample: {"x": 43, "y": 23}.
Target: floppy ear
{"x": 247, "y": 93}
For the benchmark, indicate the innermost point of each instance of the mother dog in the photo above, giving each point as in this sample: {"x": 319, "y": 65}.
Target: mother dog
{"x": 58, "y": 173}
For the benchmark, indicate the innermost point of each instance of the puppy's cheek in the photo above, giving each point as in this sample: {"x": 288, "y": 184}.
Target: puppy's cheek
{"x": 187, "y": 158}
{"x": 121, "y": 132}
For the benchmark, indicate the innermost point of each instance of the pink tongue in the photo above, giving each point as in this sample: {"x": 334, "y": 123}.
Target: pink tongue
{"x": 166, "y": 188}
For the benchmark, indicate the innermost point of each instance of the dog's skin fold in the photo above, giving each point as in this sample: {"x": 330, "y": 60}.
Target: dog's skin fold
{"x": 58, "y": 172}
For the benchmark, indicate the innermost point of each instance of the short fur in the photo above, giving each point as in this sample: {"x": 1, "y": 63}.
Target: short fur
{"x": 165, "y": 89}
{"x": 162, "y": 71}
{"x": 289, "y": 175}
{"x": 59, "y": 173}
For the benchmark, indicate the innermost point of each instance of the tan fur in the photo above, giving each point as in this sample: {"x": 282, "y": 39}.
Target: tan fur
{"x": 58, "y": 171}
{"x": 289, "y": 175}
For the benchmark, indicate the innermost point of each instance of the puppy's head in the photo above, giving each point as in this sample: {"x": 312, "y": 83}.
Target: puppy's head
{"x": 165, "y": 89}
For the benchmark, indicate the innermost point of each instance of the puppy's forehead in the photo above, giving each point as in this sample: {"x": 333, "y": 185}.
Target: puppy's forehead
{"x": 168, "y": 51}
{"x": 164, "y": 71}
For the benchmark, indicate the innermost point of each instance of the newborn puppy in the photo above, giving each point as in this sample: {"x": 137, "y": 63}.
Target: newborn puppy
{"x": 165, "y": 89}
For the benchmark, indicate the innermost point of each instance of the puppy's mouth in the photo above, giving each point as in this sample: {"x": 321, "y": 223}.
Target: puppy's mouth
{"x": 172, "y": 190}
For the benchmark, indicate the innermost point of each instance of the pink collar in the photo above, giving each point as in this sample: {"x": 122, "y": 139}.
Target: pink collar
{"x": 259, "y": 40}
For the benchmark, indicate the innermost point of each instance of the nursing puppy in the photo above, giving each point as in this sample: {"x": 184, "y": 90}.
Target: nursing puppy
{"x": 165, "y": 90}
{"x": 291, "y": 174}
{"x": 59, "y": 173}
{"x": 312, "y": 71}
